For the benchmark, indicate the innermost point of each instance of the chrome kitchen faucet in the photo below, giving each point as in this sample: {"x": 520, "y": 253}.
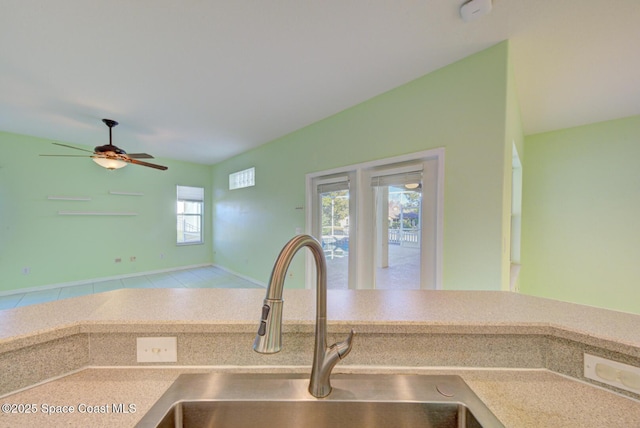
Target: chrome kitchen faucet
{"x": 269, "y": 337}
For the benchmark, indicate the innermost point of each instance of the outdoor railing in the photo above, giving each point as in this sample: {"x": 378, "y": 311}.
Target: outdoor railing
{"x": 404, "y": 237}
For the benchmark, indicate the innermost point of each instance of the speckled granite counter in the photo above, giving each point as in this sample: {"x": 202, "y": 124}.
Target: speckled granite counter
{"x": 520, "y": 399}
{"x": 219, "y": 310}
{"x": 406, "y": 330}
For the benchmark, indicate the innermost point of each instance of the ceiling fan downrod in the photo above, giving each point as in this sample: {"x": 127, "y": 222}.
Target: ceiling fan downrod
{"x": 110, "y": 123}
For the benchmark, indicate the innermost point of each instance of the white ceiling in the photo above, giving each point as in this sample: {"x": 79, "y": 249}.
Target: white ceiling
{"x": 202, "y": 80}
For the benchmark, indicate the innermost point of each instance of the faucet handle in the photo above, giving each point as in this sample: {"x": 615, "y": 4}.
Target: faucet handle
{"x": 323, "y": 363}
{"x": 343, "y": 348}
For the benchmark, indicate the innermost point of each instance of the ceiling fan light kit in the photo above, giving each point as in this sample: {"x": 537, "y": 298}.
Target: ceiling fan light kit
{"x": 112, "y": 157}
{"x": 109, "y": 163}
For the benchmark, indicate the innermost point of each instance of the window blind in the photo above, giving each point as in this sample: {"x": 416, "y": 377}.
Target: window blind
{"x": 333, "y": 185}
{"x": 398, "y": 179}
{"x": 187, "y": 193}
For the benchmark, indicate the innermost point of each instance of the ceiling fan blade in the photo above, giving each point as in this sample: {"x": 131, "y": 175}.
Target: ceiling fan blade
{"x": 69, "y": 156}
{"x": 71, "y": 147}
{"x": 150, "y": 165}
{"x": 139, "y": 156}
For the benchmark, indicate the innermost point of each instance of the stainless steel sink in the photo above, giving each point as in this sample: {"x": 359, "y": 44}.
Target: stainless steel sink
{"x": 259, "y": 400}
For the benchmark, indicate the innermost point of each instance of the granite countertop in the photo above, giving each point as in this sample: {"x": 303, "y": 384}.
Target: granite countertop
{"x": 519, "y": 398}
{"x": 226, "y": 310}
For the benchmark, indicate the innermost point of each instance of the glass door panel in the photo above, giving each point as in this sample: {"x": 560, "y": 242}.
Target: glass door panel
{"x": 334, "y": 222}
{"x": 398, "y": 236}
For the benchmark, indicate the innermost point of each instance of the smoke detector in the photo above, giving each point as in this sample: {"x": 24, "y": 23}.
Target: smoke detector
{"x": 474, "y": 9}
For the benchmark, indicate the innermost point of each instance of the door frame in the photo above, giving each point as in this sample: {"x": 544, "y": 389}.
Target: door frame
{"x": 358, "y": 179}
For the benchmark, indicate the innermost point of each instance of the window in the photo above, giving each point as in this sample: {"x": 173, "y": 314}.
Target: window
{"x": 242, "y": 179}
{"x": 190, "y": 207}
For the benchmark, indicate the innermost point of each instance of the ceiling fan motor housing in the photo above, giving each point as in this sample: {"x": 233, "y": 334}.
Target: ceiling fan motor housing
{"x": 109, "y": 148}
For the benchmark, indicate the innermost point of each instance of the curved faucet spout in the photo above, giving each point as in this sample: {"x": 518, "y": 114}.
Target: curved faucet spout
{"x": 269, "y": 337}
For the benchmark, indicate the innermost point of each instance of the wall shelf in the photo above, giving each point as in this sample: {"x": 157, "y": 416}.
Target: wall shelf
{"x": 69, "y": 198}
{"x": 114, "y": 192}
{"x": 99, "y": 213}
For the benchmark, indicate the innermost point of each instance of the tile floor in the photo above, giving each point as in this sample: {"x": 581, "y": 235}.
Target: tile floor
{"x": 203, "y": 277}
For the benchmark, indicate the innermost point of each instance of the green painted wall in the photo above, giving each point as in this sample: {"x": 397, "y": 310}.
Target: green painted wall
{"x": 61, "y": 249}
{"x": 460, "y": 107}
{"x": 581, "y": 207}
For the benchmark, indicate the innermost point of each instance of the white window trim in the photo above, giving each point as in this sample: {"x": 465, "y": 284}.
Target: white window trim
{"x": 359, "y": 180}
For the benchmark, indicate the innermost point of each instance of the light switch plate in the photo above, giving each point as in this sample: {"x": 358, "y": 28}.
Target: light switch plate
{"x": 157, "y": 349}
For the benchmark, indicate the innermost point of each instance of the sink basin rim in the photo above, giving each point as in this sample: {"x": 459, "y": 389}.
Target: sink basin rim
{"x": 370, "y": 388}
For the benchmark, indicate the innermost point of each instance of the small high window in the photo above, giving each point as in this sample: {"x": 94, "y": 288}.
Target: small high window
{"x": 242, "y": 179}
{"x": 190, "y": 209}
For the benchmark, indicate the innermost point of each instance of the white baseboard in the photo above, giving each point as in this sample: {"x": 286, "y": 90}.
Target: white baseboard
{"x": 106, "y": 278}
{"x": 239, "y": 275}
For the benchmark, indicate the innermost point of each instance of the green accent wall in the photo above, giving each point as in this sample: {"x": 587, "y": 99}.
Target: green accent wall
{"x": 461, "y": 107}
{"x": 61, "y": 249}
{"x": 581, "y": 206}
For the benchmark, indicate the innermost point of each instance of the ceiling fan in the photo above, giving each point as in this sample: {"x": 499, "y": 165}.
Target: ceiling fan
{"x": 113, "y": 157}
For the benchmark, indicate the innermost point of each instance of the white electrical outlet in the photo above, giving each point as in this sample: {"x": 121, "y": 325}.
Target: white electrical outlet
{"x": 157, "y": 349}
{"x": 612, "y": 373}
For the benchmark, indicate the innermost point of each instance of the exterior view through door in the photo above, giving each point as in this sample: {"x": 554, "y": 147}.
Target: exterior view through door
{"x": 398, "y": 201}
{"x": 380, "y": 223}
